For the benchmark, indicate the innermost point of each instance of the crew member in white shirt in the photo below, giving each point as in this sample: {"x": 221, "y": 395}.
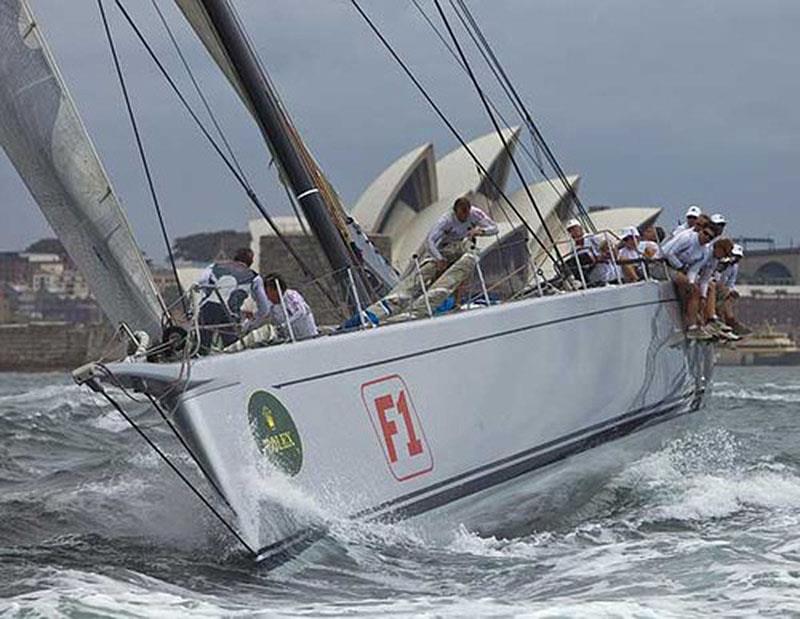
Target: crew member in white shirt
{"x": 464, "y": 222}
{"x": 721, "y": 249}
{"x": 448, "y": 259}
{"x": 629, "y": 253}
{"x": 686, "y": 253}
{"x": 727, "y": 293}
{"x": 606, "y": 270}
{"x": 300, "y": 316}
{"x": 718, "y": 223}
{"x": 650, "y": 245}
{"x": 692, "y": 213}
{"x": 586, "y": 247}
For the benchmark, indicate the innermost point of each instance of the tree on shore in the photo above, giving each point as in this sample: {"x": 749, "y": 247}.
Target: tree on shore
{"x": 209, "y": 246}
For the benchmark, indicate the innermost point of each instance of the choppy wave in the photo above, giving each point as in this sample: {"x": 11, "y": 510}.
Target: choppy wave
{"x": 92, "y": 523}
{"x": 789, "y": 396}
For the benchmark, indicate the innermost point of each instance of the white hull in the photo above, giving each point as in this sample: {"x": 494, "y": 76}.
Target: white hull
{"x": 435, "y": 417}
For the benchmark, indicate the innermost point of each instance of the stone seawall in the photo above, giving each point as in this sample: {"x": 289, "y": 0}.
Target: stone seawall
{"x": 49, "y": 346}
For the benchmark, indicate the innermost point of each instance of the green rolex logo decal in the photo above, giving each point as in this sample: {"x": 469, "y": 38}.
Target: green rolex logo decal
{"x": 275, "y": 432}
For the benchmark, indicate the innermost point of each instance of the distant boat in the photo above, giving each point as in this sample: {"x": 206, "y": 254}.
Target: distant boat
{"x": 764, "y": 347}
{"x": 433, "y": 416}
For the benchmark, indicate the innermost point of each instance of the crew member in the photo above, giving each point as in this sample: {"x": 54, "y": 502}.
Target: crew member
{"x": 692, "y": 213}
{"x": 727, "y": 293}
{"x": 721, "y": 249}
{"x": 606, "y": 270}
{"x": 686, "y": 253}
{"x": 300, "y": 316}
{"x": 465, "y": 222}
{"x": 224, "y": 286}
{"x": 650, "y": 245}
{"x": 718, "y": 223}
{"x": 630, "y": 255}
{"x": 586, "y": 250}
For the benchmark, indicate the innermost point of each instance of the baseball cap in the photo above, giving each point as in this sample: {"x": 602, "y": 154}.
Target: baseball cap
{"x": 737, "y": 250}
{"x": 717, "y": 219}
{"x": 572, "y": 223}
{"x": 694, "y": 211}
{"x": 629, "y": 231}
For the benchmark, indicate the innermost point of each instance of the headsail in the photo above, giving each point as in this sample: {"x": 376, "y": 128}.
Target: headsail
{"x": 44, "y": 138}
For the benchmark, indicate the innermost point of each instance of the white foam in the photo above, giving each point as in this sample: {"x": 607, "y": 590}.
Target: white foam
{"x": 712, "y": 496}
{"x": 788, "y": 395}
{"x": 73, "y": 592}
{"x": 702, "y": 476}
{"x": 49, "y": 392}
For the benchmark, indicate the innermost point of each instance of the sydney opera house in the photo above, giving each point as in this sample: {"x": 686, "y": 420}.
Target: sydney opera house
{"x": 404, "y": 201}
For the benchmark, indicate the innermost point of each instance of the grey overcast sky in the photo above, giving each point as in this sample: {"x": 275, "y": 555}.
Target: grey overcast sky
{"x": 653, "y": 102}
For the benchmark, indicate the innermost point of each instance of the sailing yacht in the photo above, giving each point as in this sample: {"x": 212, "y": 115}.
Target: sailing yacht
{"x": 414, "y": 419}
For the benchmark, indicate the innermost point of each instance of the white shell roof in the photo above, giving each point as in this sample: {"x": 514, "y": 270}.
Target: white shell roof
{"x": 457, "y": 172}
{"x": 373, "y": 208}
{"x": 614, "y": 219}
{"x": 552, "y": 199}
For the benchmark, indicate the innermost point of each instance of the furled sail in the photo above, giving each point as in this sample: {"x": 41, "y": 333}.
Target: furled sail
{"x": 198, "y": 19}
{"x": 44, "y": 138}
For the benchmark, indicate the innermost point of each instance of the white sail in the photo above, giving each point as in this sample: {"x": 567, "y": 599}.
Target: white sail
{"x": 44, "y": 138}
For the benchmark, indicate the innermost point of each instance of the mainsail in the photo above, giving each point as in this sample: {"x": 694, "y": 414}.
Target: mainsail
{"x": 44, "y": 138}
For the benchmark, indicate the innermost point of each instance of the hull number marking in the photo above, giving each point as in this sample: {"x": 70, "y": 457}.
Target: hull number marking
{"x": 397, "y": 426}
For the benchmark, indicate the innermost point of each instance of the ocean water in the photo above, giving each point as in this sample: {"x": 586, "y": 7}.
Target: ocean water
{"x": 92, "y": 524}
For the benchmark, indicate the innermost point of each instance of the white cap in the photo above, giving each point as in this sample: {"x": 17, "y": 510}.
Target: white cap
{"x": 629, "y": 231}
{"x": 572, "y": 223}
{"x": 694, "y": 211}
{"x": 737, "y": 251}
{"x": 717, "y": 219}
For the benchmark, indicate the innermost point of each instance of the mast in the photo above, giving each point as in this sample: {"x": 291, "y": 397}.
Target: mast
{"x": 278, "y": 130}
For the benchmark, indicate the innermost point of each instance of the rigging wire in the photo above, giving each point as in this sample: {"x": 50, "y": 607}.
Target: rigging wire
{"x": 98, "y": 388}
{"x": 497, "y": 127}
{"x": 253, "y": 197}
{"x": 522, "y": 109}
{"x": 197, "y": 89}
{"x": 310, "y": 162}
{"x": 140, "y": 147}
{"x": 535, "y": 157}
{"x": 160, "y": 410}
{"x": 410, "y": 74}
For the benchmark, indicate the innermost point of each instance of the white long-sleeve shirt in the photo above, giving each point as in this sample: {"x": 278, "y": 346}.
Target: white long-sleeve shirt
{"x": 680, "y": 228}
{"x": 449, "y": 229}
{"x": 685, "y": 251}
{"x": 626, "y": 253}
{"x": 300, "y": 316}
{"x": 727, "y": 276}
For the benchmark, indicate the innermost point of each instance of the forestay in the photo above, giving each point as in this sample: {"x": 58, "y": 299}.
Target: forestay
{"x": 43, "y": 135}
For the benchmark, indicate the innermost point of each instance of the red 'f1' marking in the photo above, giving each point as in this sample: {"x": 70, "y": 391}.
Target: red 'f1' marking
{"x": 397, "y": 426}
